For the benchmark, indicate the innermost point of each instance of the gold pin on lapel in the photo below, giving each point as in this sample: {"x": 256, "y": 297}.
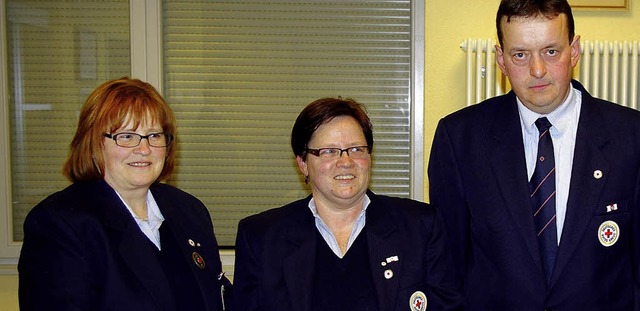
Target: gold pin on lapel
{"x": 198, "y": 260}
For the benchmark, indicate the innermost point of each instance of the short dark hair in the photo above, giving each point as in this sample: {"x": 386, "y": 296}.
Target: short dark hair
{"x": 322, "y": 111}
{"x": 533, "y": 8}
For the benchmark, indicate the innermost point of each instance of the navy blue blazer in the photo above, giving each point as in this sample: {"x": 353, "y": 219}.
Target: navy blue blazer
{"x": 478, "y": 181}
{"x": 276, "y": 253}
{"x": 83, "y": 250}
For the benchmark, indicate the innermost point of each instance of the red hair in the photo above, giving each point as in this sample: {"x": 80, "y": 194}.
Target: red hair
{"x": 106, "y": 110}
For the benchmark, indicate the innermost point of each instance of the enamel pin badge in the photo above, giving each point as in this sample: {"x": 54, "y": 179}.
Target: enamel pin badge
{"x": 597, "y": 174}
{"x": 388, "y": 273}
{"x": 197, "y": 258}
{"x": 608, "y": 233}
{"x": 418, "y": 301}
{"x": 199, "y": 261}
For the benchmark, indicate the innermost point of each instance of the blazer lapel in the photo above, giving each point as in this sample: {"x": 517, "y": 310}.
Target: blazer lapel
{"x": 506, "y": 155}
{"x": 134, "y": 248}
{"x": 179, "y": 229}
{"x": 299, "y": 265}
{"x": 584, "y": 188}
{"x": 383, "y": 245}
{"x": 137, "y": 253}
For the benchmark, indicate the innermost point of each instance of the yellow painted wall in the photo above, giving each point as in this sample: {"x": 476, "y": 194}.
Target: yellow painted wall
{"x": 449, "y": 22}
{"x": 9, "y": 292}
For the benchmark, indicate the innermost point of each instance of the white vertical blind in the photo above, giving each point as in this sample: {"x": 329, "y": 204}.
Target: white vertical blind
{"x": 58, "y": 52}
{"x": 237, "y": 73}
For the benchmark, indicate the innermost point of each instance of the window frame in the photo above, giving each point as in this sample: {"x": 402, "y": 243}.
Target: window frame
{"x": 146, "y": 64}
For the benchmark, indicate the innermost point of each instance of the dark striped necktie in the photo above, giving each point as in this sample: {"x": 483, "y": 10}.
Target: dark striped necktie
{"x": 543, "y": 197}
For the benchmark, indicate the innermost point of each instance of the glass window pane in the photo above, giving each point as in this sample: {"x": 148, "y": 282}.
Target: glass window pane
{"x": 237, "y": 75}
{"x": 58, "y": 52}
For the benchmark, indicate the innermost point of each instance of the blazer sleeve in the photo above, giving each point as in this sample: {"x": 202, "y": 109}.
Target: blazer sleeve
{"x": 246, "y": 270}
{"x": 636, "y": 245}
{"x": 55, "y": 270}
{"x": 446, "y": 194}
{"x": 439, "y": 268}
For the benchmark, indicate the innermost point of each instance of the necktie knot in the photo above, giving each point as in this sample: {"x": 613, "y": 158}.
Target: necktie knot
{"x": 543, "y": 124}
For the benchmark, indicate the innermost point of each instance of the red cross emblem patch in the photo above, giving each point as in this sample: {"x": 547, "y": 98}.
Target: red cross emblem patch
{"x": 418, "y": 301}
{"x": 608, "y": 233}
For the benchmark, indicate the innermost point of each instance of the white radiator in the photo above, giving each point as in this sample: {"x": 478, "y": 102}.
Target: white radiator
{"x": 607, "y": 69}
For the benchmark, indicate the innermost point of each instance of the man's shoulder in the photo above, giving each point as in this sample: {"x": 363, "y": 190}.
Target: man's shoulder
{"x": 607, "y": 108}
{"x": 604, "y": 108}
{"x": 485, "y": 109}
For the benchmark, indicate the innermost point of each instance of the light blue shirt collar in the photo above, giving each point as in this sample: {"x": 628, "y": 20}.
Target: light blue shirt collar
{"x": 151, "y": 227}
{"x": 328, "y": 236}
{"x": 560, "y": 118}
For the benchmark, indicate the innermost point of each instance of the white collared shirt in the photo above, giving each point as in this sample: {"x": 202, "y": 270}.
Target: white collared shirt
{"x": 564, "y": 121}
{"x": 150, "y": 227}
{"x": 328, "y": 236}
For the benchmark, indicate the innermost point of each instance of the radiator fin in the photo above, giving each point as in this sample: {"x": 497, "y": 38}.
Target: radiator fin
{"x": 607, "y": 69}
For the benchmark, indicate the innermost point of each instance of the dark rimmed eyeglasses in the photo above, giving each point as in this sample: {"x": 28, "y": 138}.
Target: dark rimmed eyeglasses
{"x": 131, "y": 140}
{"x": 355, "y": 152}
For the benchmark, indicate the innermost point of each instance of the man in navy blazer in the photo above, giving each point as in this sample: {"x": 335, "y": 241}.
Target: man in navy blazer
{"x": 484, "y": 155}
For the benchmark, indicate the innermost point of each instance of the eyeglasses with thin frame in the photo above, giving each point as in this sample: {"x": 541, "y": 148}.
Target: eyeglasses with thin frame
{"x": 355, "y": 152}
{"x": 131, "y": 140}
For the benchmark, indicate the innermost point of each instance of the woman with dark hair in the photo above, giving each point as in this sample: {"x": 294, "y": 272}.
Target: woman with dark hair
{"x": 117, "y": 238}
{"x": 343, "y": 247}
